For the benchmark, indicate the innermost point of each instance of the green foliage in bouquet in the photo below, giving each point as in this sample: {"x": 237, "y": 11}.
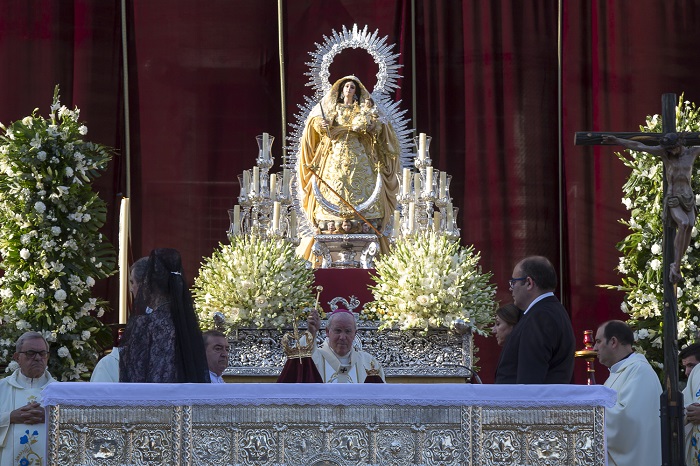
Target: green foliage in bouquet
{"x": 52, "y": 251}
{"x": 253, "y": 282}
{"x": 641, "y": 263}
{"x": 429, "y": 281}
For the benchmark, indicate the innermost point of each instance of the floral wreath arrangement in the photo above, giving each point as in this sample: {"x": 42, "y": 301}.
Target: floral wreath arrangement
{"x": 52, "y": 251}
{"x": 253, "y": 282}
{"x": 428, "y": 281}
{"x": 641, "y": 263}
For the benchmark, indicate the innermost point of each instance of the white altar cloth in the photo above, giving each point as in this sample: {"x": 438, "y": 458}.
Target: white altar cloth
{"x": 129, "y": 394}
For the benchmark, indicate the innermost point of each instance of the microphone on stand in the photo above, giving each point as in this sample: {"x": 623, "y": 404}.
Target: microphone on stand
{"x": 477, "y": 379}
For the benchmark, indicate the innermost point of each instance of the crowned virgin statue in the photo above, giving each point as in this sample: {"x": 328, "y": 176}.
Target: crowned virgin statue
{"x": 353, "y": 149}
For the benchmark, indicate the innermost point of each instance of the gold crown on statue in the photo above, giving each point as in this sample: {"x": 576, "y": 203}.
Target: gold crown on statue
{"x": 372, "y": 371}
{"x": 293, "y": 346}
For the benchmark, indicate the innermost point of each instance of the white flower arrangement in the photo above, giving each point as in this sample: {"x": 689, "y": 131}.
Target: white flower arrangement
{"x": 429, "y": 281}
{"x": 253, "y": 282}
{"x": 641, "y": 261}
{"x": 50, "y": 260}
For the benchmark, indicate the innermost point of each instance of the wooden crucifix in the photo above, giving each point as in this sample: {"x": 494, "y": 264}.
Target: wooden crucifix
{"x": 678, "y": 154}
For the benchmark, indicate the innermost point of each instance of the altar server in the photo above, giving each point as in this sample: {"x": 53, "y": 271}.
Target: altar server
{"x": 22, "y": 427}
{"x": 632, "y": 426}
{"x": 336, "y": 360}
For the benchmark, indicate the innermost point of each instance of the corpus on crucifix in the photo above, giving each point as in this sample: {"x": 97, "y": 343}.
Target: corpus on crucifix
{"x": 679, "y": 200}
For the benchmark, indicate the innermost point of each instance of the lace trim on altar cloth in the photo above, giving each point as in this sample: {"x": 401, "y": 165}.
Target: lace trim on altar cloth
{"x": 255, "y": 394}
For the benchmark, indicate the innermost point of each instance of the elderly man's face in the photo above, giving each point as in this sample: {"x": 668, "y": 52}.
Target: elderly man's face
{"x": 33, "y": 357}
{"x": 341, "y": 333}
{"x": 217, "y": 354}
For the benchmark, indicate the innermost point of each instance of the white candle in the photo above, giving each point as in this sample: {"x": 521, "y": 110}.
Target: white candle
{"x": 443, "y": 184}
{"x": 406, "y": 181}
{"x": 448, "y": 223}
{"x": 397, "y": 223}
{"x": 416, "y": 185}
{"x": 273, "y": 186}
{"x": 123, "y": 258}
{"x": 276, "y": 216}
{"x": 411, "y": 215}
{"x": 246, "y": 180}
{"x": 293, "y": 223}
{"x": 428, "y": 179}
{"x": 266, "y": 141}
{"x": 436, "y": 220}
{"x": 256, "y": 179}
{"x": 421, "y": 146}
{"x": 236, "y": 219}
{"x": 285, "y": 182}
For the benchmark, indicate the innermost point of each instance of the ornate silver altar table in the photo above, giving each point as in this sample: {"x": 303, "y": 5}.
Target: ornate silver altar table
{"x": 332, "y": 424}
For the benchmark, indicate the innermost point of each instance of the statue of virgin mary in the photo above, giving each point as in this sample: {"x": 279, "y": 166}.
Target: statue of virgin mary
{"x": 355, "y": 151}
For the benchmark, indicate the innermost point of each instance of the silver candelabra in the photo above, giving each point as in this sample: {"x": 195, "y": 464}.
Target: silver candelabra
{"x": 424, "y": 202}
{"x": 265, "y": 205}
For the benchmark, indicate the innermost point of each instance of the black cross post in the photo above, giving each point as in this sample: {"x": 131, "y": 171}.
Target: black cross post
{"x": 672, "y": 436}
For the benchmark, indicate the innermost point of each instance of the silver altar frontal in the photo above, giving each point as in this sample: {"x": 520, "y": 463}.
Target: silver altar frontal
{"x": 325, "y": 424}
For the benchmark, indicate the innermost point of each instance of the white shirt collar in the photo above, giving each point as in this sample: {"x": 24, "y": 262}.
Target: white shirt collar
{"x": 538, "y": 299}
{"x": 215, "y": 378}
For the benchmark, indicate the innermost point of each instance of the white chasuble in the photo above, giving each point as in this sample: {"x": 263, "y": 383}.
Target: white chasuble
{"x": 691, "y": 394}
{"x": 633, "y": 426}
{"x": 353, "y": 370}
{"x": 21, "y": 444}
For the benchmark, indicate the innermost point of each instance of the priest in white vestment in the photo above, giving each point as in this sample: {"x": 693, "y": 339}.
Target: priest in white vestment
{"x": 107, "y": 368}
{"x": 633, "y": 425}
{"x": 690, "y": 359}
{"x": 22, "y": 426}
{"x": 337, "y": 361}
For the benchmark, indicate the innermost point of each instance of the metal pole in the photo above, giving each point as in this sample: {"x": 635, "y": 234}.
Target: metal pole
{"x": 283, "y": 99}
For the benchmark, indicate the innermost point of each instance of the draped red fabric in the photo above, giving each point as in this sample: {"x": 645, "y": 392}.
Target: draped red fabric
{"x": 204, "y": 79}
{"x": 299, "y": 370}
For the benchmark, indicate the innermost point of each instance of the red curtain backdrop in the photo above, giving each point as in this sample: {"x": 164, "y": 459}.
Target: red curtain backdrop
{"x": 204, "y": 79}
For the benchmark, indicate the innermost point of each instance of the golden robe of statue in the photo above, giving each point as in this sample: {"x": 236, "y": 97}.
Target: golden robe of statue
{"x": 346, "y": 142}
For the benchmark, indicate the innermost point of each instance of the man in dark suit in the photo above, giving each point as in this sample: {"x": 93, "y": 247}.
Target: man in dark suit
{"x": 540, "y": 349}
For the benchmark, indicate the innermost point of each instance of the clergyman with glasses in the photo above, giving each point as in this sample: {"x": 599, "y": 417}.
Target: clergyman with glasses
{"x": 22, "y": 426}
{"x": 540, "y": 349}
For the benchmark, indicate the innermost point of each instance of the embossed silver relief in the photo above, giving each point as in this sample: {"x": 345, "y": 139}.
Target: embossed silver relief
{"x": 258, "y": 446}
{"x": 151, "y": 446}
{"x": 440, "y": 447}
{"x": 212, "y": 446}
{"x": 302, "y": 443}
{"x": 395, "y": 447}
{"x": 103, "y": 444}
{"x": 350, "y": 444}
{"x": 584, "y": 450}
{"x": 258, "y": 352}
{"x": 501, "y": 447}
{"x": 549, "y": 445}
{"x": 209, "y": 435}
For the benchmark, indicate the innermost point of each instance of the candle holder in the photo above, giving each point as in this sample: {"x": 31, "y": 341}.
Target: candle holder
{"x": 424, "y": 193}
{"x": 423, "y": 159}
{"x": 589, "y": 355}
{"x": 257, "y": 199}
